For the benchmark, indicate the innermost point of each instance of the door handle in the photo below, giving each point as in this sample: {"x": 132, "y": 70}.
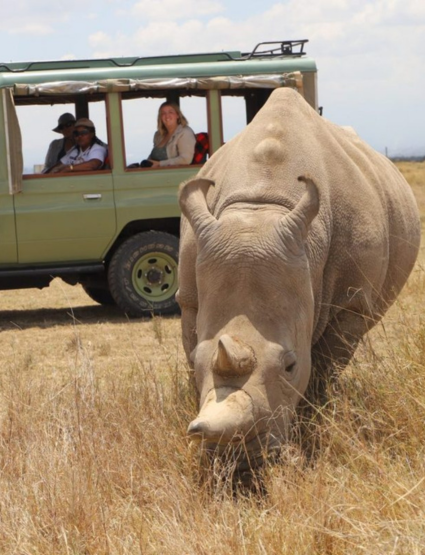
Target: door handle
{"x": 92, "y": 196}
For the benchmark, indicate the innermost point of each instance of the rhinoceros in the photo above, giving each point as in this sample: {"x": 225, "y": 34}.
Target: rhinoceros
{"x": 296, "y": 237}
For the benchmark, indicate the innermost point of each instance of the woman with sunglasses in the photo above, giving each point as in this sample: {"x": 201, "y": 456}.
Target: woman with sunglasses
{"x": 89, "y": 152}
{"x": 59, "y": 147}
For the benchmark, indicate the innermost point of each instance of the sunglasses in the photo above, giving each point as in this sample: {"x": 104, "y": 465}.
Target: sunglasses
{"x": 66, "y": 125}
{"x": 84, "y": 132}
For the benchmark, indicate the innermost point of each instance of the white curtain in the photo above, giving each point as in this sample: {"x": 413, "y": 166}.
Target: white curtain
{"x": 14, "y": 158}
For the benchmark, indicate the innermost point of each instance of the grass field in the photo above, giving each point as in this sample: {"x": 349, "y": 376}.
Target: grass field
{"x": 94, "y": 457}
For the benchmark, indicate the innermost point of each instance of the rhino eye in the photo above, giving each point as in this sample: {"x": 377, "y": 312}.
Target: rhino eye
{"x": 291, "y": 367}
{"x": 290, "y": 362}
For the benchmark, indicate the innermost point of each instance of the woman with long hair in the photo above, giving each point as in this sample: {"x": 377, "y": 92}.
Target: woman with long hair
{"x": 174, "y": 141}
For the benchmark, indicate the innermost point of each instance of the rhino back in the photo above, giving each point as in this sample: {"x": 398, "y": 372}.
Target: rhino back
{"x": 364, "y": 242}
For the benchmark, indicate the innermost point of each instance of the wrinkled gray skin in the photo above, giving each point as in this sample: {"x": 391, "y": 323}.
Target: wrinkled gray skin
{"x": 296, "y": 237}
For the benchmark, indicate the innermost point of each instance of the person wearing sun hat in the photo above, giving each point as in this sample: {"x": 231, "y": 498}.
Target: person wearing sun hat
{"x": 59, "y": 147}
{"x": 88, "y": 154}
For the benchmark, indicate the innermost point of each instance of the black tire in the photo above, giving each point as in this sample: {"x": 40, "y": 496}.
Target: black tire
{"x": 99, "y": 294}
{"x": 142, "y": 274}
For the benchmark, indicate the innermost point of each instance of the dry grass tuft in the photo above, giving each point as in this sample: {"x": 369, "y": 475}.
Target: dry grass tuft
{"x": 94, "y": 457}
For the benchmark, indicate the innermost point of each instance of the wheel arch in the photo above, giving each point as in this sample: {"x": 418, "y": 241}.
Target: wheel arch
{"x": 168, "y": 225}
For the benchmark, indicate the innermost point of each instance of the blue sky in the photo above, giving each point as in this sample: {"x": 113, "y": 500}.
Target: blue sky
{"x": 370, "y": 54}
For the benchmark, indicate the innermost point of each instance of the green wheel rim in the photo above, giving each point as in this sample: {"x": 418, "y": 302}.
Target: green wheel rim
{"x": 154, "y": 277}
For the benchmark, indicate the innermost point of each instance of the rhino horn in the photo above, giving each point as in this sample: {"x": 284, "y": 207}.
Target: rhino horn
{"x": 193, "y": 204}
{"x": 297, "y": 223}
{"x": 233, "y": 358}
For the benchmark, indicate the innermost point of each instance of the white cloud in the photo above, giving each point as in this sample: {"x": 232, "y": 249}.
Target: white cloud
{"x": 37, "y": 18}
{"x": 393, "y": 12}
{"x": 32, "y": 29}
{"x": 149, "y": 40}
{"x": 335, "y": 28}
{"x": 176, "y": 9}
{"x": 98, "y": 39}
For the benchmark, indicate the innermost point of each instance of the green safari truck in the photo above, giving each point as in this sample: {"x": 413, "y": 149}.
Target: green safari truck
{"x": 116, "y": 230}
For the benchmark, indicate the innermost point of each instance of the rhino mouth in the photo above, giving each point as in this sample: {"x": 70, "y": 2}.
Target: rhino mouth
{"x": 232, "y": 428}
{"x": 244, "y": 454}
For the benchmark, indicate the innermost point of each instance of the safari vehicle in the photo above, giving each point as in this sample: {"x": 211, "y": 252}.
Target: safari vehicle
{"x": 116, "y": 230}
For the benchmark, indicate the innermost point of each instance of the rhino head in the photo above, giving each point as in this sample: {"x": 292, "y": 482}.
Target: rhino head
{"x": 254, "y": 322}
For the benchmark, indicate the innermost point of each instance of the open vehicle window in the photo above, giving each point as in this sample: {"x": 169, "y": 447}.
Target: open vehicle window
{"x": 140, "y": 120}
{"x": 233, "y": 113}
{"x": 238, "y": 108}
{"x": 37, "y": 122}
{"x": 195, "y": 110}
{"x": 139, "y": 124}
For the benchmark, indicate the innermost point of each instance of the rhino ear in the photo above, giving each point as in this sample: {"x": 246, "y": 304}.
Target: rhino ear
{"x": 298, "y": 221}
{"x": 193, "y": 204}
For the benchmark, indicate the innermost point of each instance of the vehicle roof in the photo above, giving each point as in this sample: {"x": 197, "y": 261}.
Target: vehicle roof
{"x": 188, "y": 65}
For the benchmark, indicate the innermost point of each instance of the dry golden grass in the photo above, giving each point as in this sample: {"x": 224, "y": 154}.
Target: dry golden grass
{"x": 94, "y": 458}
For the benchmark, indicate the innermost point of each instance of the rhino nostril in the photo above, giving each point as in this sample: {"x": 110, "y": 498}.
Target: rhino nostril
{"x": 198, "y": 428}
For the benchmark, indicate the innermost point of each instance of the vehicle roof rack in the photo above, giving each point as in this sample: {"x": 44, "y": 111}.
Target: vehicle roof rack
{"x": 283, "y": 48}
{"x": 20, "y": 67}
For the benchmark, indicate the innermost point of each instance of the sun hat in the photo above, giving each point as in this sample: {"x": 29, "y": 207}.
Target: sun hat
{"x": 85, "y": 122}
{"x": 63, "y": 120}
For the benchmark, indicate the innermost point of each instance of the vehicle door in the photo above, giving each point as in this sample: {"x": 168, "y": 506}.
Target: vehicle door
{"x": 65, "y": 218}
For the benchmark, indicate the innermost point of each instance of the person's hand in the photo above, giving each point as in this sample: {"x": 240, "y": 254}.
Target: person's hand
{"x": 155, "y": 163}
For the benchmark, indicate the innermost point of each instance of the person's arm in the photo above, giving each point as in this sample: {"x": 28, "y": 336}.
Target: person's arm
{"x": 185, "y": 149}
{"x": 90, "y": 165}
{"x": 97, "y": 158}
{"x": 64, "y": 162}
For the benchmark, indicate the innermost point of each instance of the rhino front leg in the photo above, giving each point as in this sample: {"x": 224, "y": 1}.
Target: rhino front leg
{"x": 334, "y": 350}
{"x": 189, "y": 335}
{"x": 187, "y": 295}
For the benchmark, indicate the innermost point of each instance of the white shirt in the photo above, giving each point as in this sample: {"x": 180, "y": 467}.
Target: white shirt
{"x": 75, "y": 156}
